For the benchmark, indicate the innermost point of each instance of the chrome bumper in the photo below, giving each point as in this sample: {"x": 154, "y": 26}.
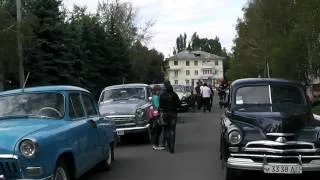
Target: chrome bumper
{"x": 136, "y": 128}
{"x": 47, "y": 178}
{"x": 245, "y": 163}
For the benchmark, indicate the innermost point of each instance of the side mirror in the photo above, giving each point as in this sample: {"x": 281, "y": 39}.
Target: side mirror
{"x": 150, "y": 98}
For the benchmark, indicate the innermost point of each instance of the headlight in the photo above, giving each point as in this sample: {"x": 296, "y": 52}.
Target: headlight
{"x": 139, "y": 114}
{"x": 28, "y": 148}
{"x": 183, "y": 98}
{"x": 234, "y": 137}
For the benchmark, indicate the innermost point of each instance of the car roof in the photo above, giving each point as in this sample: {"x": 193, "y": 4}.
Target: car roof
{"x": 44, "y": 89}
{"x": 240, "y": 82}
{"x": 126, "y": 86}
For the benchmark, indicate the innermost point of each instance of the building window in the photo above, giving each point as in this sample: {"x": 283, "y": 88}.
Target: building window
{"x": 187, "y": 72}
{"x": 176, "y": 73}
{"x": 176, "y": 82}
{"x": 195, "y": 72}
{"x": 196, "y": 63}
{"x": 175, "y": 63}
{"x": 187, "y": 82}
{"x": 207, "y": 71}
{"x": 217, "y": 63}
{"x": 187, "y": 63}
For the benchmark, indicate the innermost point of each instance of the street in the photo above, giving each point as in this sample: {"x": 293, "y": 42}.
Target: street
{"x": 196, "y": 156}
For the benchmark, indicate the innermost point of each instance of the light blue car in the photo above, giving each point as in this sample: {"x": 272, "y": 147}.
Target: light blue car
{"x": 52, "y": 132}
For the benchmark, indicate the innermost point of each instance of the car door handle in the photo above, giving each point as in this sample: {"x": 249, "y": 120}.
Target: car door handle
{"x": 92, "y": 123}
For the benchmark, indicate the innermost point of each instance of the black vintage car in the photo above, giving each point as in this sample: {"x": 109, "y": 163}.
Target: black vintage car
{"x": 268, "y": 126}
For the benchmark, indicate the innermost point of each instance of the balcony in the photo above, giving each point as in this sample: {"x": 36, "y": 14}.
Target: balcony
{"x": 173, "y": 68}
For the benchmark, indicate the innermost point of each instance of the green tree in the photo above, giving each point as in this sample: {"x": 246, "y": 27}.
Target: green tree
{"x": 45, "y": 54}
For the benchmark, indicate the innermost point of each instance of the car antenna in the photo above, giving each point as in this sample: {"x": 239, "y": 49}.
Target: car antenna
{"x": 25, "y": 81}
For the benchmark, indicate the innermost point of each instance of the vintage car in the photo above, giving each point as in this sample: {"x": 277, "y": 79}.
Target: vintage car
{"x": 184, "y": 95}
{"x": 128, "y": 106}
{"x": 268, "y": 126}
{"x": 162, "y": 88}
{"x": 52, "y": 132}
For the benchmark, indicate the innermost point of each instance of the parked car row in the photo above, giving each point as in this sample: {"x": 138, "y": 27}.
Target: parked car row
{"x": 60, "y": 132}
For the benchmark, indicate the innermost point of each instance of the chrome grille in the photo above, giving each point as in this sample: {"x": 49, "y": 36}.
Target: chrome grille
{"x": 278, "y": 152}
{"x": 128, "y": 120}
{"x": 8, "y": 167}
{"x": 267, "y": 146}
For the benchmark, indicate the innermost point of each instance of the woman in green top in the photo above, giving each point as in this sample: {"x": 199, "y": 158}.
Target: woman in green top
{"x": 157, "y": 125}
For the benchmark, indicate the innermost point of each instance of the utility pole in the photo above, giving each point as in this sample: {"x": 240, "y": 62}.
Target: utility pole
{"x": 19, "y": 40}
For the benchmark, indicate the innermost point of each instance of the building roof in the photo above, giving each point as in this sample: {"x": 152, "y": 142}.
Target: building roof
{"x": 186, "y": 54}
{"x": 44, "y": 89}
{"x": 126, "y": 85}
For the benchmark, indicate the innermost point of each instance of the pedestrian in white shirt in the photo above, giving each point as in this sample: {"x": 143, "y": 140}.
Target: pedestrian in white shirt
{"x": 206, "y": 95}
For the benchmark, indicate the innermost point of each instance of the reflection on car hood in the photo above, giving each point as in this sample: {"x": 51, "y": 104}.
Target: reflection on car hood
{"x": 12, "y": 130}
{"x": 275, "y": 122}
{"x": 181, "y": 94}
{"x": 122, "y": 107}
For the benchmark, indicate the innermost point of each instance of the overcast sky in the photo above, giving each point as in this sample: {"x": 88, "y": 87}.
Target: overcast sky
{"x": 209, "y": 18}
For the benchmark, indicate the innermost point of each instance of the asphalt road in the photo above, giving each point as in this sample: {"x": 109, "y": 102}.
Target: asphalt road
{"x": 196, "y": 156}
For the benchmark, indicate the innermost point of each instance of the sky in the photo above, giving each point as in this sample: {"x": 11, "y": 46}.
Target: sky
{"x": 209, "y": 18}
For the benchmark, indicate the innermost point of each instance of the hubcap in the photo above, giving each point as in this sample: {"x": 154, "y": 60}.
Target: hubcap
{"x": 60, "y": 174}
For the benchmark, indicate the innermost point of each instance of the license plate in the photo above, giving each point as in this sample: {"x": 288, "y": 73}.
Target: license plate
{"x": 120, "y": 133}
{"x": 282, "y": 169}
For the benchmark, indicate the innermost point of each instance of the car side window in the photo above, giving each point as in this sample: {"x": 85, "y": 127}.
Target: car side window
{"x": 89, "y": 105}
{"x": 75, "y": 106}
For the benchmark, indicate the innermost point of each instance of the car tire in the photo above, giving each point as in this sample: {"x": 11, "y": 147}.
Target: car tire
{"x": 107, "y": 163}
{"x": 229, "y": 173}
{"x": 147, "y": 137}
{"x": 61, "y": 171}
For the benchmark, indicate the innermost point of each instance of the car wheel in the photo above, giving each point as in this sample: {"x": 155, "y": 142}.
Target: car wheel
{"x": 108, "y": 162}
{"x": 147, "y": 137}
{"x": 61, "y": 172}
{"x": 228, "y": 173}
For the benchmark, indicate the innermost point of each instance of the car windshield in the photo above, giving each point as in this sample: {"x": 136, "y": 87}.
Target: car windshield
{"x": 124, "y": 93}
{"x": 277, "y": 96}
{"x": 42, "y": 105}
{"x": 178, "y": 88}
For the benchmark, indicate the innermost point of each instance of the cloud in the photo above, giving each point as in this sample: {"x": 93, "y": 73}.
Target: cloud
{"x": 209, "y": 18}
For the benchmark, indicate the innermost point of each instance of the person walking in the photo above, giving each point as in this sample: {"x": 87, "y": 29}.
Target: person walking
{"x": 169, "y": 103}
{"x": 211, "y": 96}
{"x": 198, "y": 95}
{"x": 157, "y": 124}
{"x": 206, "y": 96}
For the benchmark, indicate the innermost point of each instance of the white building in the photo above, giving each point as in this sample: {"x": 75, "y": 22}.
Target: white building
{"x": 188, "y": 67}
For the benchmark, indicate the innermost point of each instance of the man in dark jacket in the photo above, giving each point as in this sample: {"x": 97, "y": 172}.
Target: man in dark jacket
{"x": 169, "y": 104}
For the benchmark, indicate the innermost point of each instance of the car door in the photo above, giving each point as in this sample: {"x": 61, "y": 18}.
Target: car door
{"x": 85, "y": 130}
{"x": 93, "y": 117}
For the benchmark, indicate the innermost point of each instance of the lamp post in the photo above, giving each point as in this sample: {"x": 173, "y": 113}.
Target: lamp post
{"x": 19, "y": 43}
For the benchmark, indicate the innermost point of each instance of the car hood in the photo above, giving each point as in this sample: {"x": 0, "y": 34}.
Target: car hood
{"x": 181, "y": 94}
{"x": 12, "y": 130}
{"x": 122, "y": 107}
{"x": 276, "y": 122}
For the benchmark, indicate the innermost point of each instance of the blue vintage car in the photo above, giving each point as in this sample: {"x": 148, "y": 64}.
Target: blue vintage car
{"x": 52, "y": 132}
